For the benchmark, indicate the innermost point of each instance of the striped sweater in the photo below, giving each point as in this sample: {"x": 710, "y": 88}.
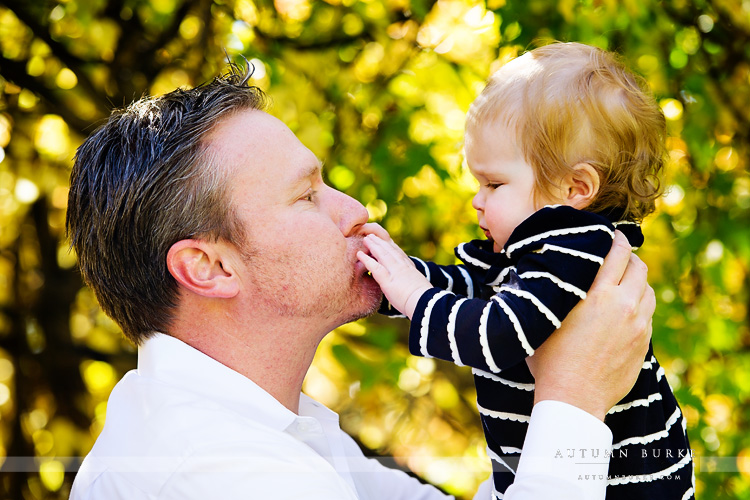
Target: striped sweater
{"x": 497, "y": 308}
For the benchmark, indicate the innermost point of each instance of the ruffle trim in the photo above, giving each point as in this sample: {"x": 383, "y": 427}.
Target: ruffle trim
{"x": 424, "y": 266}
{"x": 537, "y": 303}
{"x": 484, "y": 341}
{"x": 569, "y": 251}
{"x": 516, "y": 325}
{"x": 425, "y": 324}
{"x": 496, "y": 458}
{"x": 468, "y": 259}
{"x": 509, "y": 383}
{"x": 508, "y": 250}
{"x": 647, "y": 478}
{"x": 557, "y": 281}
{"x": 638, "y": 402}
{"x": 650, "y": 438}
{"x": 452, "y": 332}
{"x": 469, "y": 283}
{"x": 515, "y": 417}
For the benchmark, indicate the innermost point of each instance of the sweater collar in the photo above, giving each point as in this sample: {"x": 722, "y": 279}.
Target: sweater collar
{"x": 479, "y": 257}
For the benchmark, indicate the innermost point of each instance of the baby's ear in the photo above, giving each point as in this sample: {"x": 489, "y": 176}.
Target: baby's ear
{"x": 202, "y": 268}
{"x": 580, "y": 186}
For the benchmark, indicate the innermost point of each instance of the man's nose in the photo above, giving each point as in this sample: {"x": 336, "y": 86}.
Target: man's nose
{"x": 348, "y": 213}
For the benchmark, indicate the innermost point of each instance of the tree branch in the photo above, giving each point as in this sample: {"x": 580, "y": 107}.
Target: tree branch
{"x": 733, "y": 40}
{"x": 15, "y": 71}
{"x": 42, "y": 32}
{"x": 73, "y": 62}
{"x": 169, "y": 33}
{"x": 297, "y": 44}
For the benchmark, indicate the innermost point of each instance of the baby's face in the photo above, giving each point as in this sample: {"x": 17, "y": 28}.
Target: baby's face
{"x": 506, "y": 181}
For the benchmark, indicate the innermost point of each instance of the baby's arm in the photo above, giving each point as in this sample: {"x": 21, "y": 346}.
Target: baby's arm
{"x": 552, "y": 274}
{"x": 554, "y": 267}
{"x": 405, "y": 287}
{"x": 552, "y": 271}
{"x": 474, "y": 332}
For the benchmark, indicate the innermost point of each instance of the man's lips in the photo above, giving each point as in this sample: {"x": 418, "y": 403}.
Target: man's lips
{"x": 359, "y": 266}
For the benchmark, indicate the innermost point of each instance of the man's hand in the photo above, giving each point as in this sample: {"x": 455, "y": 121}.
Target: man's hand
{"x": 593, "y": 359}
{"x": 394, "y": 271}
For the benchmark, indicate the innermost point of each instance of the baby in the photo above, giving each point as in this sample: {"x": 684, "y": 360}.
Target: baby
{"x": 566, "y": 145}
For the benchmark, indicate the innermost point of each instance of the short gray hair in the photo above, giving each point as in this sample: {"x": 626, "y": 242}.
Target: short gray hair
{"x": 144, "y": 181}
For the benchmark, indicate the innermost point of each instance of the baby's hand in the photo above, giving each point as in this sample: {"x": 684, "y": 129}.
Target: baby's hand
{"x": 376, "y": 229}
{"x": 396, "y": 274}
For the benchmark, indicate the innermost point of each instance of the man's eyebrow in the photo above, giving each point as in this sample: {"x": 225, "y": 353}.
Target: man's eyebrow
{"x": 313, "y": 171}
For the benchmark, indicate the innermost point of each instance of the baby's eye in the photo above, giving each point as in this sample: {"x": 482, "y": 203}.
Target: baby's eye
{"x": 493, "y": 185}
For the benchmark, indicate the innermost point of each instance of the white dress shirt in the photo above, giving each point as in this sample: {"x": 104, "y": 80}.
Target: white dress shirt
{"x": 183, "y": 426}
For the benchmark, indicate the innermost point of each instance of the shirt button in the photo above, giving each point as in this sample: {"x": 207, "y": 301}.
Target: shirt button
{"x": 308, "y": 427}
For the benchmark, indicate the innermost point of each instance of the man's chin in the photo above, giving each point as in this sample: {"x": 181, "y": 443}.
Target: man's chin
{"x": 370, "y": 299}
{"x": 372, "y": 295}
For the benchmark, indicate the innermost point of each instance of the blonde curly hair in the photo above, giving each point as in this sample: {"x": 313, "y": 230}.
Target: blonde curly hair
{"x": 570, "y": 103}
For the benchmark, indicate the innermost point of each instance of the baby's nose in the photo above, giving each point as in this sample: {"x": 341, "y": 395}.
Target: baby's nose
{"x": 478, "y": 202}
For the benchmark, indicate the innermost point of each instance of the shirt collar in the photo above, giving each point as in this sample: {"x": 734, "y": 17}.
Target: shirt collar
{"x": 170, "y": 361}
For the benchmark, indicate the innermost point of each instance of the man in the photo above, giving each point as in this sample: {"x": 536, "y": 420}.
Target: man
{"x": 200, "y": 216}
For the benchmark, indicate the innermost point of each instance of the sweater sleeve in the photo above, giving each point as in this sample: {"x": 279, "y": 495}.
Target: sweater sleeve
{"x": 553, "y": 263}
{"x": 457, "y": 279}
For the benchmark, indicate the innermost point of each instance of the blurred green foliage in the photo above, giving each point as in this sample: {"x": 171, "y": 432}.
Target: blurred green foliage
{"x": 378, "y": 90}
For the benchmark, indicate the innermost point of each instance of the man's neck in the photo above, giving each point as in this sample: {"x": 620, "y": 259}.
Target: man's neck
{"x": 275, "y": 357}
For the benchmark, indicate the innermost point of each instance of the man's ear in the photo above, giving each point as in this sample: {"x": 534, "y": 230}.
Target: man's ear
{"x": 198, "y": 266}
{"x": 580, "y": 186}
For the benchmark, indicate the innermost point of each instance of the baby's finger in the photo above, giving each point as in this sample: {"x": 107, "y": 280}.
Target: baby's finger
{"x": 376, "y": 229}
{"x": 395, "y": 251}
{"x": 378, "y": 271}
{"x": 384, "y": 252}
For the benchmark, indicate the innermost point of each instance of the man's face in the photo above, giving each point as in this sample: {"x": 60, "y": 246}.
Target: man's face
{"x": 302, "y": 235}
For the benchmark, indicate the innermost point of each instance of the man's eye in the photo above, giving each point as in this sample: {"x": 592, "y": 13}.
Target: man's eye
{"x": 309, "y": 196}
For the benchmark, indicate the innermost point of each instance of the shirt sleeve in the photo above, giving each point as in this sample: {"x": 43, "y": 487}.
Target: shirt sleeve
{"x": 565, "y": 456}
